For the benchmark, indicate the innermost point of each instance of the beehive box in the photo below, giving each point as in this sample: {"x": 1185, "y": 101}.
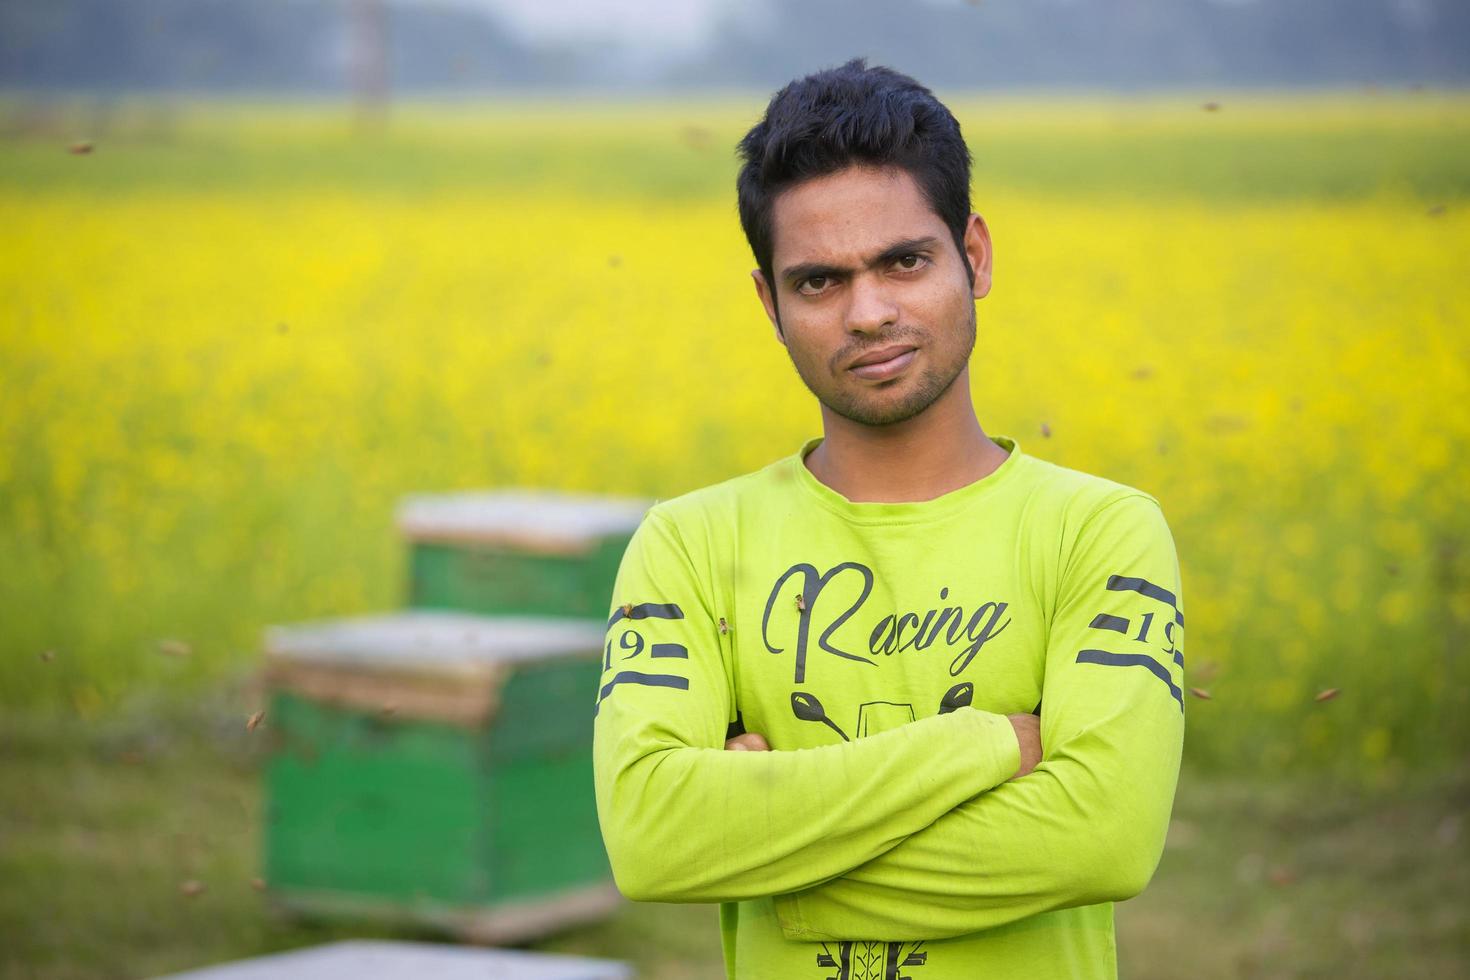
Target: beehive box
{"x": 436, "y": 767}
{"x": 521, "y": 552}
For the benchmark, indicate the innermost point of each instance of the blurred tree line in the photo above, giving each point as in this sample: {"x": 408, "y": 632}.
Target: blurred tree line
{"x": 305, "y": 46}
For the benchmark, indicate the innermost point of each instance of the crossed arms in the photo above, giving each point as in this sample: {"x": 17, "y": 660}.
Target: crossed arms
{"x": 942, "y": 841}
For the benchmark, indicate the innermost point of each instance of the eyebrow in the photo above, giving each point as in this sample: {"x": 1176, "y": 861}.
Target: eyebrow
{"x": 803, "y": 270}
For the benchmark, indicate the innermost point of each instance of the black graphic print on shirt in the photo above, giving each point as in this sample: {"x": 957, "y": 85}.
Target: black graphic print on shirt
{"x": 891, "y": 634}
{"x": 871, "y": 961}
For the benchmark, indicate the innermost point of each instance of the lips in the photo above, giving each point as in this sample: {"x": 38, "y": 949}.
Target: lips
{"x": 882, "y": 354}
{"x": 885, "y": 363}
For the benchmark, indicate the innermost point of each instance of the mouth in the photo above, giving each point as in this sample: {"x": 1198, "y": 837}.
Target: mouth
{"x": 894, "y": 361}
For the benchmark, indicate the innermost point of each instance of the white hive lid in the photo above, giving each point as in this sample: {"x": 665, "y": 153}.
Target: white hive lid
{"x": 536, "y": 520}
{"x": 403, "y": 960}
{"x": 432, "y": 641}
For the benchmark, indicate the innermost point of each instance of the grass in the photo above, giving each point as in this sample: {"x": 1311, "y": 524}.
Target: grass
{"x": 1263, "y": 877}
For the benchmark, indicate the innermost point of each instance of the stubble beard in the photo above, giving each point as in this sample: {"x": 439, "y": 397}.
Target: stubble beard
{"x": 858, "y": 403}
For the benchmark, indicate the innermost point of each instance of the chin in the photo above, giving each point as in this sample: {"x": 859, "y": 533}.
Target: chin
{"x": 896, "y": 401}
{"x": 877, "y": 412}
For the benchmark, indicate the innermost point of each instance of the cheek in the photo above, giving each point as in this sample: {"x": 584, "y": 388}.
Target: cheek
{"x": 807, "y": 358}
{"x": 946, "y": 316}
{"x": 809, "y": 339}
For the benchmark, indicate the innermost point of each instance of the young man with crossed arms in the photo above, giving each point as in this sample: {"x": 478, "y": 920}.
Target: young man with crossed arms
{"x": 906, "y": 702}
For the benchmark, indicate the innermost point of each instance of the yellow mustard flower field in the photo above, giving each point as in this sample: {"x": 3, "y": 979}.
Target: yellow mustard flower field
{"x": 233, "y": 337}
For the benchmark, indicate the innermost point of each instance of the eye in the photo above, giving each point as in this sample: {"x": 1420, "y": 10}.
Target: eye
{"x": 818, "y": 281}
{"x": 919, "y": 261}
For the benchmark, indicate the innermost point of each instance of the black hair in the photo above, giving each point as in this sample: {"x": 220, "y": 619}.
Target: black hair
{"x": 852, "y": 114}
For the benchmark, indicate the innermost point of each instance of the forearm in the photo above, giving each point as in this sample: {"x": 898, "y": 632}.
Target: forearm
{"x": 1051, "y": 839}
{"x": 687, "y": 823}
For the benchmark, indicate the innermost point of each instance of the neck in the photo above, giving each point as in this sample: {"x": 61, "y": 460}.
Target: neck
{"x": 939, "y": 450}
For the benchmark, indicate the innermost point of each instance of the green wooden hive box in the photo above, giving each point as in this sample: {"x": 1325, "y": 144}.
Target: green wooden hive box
{"x": 523, "y": 552}
{"x": 436, "y": 767}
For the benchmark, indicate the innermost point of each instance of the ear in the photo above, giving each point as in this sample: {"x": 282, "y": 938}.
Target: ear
{"x": 979, "y": 251}
{"x": 763, "y": 290}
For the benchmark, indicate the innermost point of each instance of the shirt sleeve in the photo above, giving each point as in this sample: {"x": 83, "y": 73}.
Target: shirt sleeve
{"x": 683, "y": 820}
{"x": 1087, "y": 825}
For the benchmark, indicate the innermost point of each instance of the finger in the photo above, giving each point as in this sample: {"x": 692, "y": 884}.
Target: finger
{"x": 747, "y": 742}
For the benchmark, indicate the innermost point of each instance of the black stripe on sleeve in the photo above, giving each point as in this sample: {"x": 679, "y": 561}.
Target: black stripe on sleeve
{"x": 1133, "y": 660}
{"x": 1125, "y": 583}
{"x": 648, "y": 610}
{"x": 648, "y": 680}
{"x": 1103, "y": 621}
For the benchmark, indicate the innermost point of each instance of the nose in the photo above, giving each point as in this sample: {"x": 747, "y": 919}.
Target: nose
{"x": 871, "y": 307}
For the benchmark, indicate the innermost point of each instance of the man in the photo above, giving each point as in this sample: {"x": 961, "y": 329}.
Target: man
{"x": 966, "y": 662}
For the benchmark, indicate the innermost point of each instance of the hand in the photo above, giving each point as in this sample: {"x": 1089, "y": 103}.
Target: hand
{"x": 749, "y": 742}
{"x": 1028, "y": 733}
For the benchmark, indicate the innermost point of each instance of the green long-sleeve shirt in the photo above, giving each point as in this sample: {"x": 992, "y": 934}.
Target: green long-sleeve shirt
{"x": 878, "y": 647}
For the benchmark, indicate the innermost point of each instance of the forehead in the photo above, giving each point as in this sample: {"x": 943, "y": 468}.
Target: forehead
{"x": 845, "y": 216}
